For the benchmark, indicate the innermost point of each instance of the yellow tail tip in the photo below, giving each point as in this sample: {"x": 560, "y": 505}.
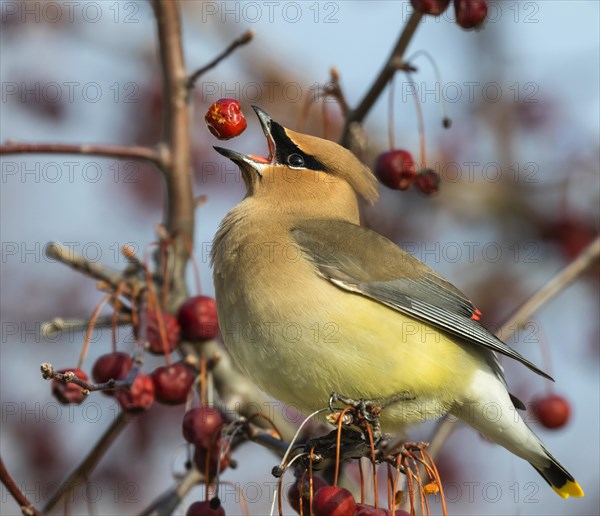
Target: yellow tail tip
{"x": 569, "y": 489}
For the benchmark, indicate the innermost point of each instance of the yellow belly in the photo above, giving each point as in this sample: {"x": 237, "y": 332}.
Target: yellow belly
{"x": 302, "y": 348}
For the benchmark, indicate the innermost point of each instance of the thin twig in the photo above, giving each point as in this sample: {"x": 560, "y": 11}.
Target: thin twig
{"x": 26, "y": 506}
{"x": 518, "y": 320}
{"x": 105, "y": 151}
{"x": 83, "y": 471}
{"x": 569, "y": 274}
{"x": 58, "y": 325}
{"x": 167, "y": 502}
{"x": 358, "y": 114}
{"x": 334, "y": 89}
{"x": 48, "y": 373}
{"x": 63, "y": 254}
{"x": 242, "y": 40}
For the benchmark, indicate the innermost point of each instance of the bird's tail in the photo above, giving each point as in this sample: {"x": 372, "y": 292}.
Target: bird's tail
{"x": 558, "y": 477}
{"x": 507, "y": 429}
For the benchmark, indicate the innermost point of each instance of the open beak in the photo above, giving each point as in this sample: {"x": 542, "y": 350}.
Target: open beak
{"x": 251, "y": 160}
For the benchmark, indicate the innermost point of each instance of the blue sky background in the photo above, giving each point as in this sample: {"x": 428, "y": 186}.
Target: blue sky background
{"x": 550, "y": 46}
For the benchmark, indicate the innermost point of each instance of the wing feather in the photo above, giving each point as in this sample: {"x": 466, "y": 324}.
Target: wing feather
{"x": 359, "y": 260}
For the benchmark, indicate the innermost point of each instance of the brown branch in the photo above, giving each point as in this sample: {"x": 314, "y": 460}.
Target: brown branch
{"x": 58, "y": 325}
{"x": 179, "y": 209}
{"x": 561, "y": 281}
{"x": 242, "y": 40}
{"x": 106, "y": 151}
{"x": 358, "y": 114}
{"x": 167, "y": 502}
{"x": 48, "y": 373}
{"x": 84, "y": 470}
{"x": 56, "y": 251}
{"x": 26, "y": 506}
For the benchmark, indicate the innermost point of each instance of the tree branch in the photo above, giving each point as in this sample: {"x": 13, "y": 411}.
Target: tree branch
{"x": 167, "y": 502}
{"x": 242, "y": 40}
{"x": 26, "y": 506}
{"x": 58, "y": 325}
{"x": 179, "y": 209}
{"x": 358, "y": 114}
{"x": 105, "y": 151}
{"x": 562, "y": 280}
{"x": 84, "y": 470}
{"x": 62, "y": 254}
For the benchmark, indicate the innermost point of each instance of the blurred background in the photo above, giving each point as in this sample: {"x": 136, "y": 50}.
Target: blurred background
{"x": 518, "y": 201}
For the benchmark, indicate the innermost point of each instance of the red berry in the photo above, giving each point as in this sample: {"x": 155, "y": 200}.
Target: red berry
{"x": 69, "y": 392}
{"x": 200, "y": 425}
{"x": 211, "y": 454}
{"x": 139, "y": 396}
{"x": 470, "y": 13}
{"x": 552, "y": 411}
{"x": 428, "y": 181}
{"x": 434, "y": 7}
{"x": 207, "y": 508}
{"x": 293, "y": 494}
{"x": 225, "y": 119}
{"x": 172, "y": 383}
{"x": 112, "y": 366}
{"x": 396, "y": 169}
{"x": 333, "y": 501}
{"x": 198, "y": 318}
{"x": 172, "y": 330}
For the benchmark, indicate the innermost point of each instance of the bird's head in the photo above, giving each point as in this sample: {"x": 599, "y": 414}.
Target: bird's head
{"x": 304, "y": 171}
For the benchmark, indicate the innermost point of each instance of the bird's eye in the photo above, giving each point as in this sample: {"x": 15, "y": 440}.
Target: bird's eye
{"x": 295, "y": 160}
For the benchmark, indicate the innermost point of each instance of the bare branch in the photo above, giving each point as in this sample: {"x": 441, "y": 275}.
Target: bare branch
{"x": 105, "y": 151}
{"x": 64, "y": 255}
{"x": 358, "y": 114}
{"x": 26, "y": 506}
{"x": 242, "y": 40}
{"x": 83, "y": 471}
{"x": 561, "y": 281}
{"x": 168, "y": 501}
{"x": 58, "y": 325}
{"x": 179, "y": 210}
{"x": 48, "y": 373}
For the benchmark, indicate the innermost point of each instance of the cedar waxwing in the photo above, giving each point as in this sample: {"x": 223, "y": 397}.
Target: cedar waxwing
{"x": 311, "y": 303}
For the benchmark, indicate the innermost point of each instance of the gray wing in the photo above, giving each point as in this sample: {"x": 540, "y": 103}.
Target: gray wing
{"x": 359, "y": 260}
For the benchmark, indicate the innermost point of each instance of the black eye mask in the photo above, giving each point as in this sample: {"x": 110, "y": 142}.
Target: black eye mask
{"x": 285, "y": 148}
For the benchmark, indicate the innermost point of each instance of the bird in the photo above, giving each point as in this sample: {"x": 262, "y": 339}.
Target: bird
{"x": 310, "y": 302}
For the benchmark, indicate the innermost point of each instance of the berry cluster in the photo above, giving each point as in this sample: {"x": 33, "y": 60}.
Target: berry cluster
{"x": 331, "y": 501}
{"x": 470, "y": 14}
{"x": 202, "y": 427}
{"x": 170, "y": 384}
{"x": 397, "y": 169}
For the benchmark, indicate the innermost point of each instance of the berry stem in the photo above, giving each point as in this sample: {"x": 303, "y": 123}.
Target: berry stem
{"x": 203, "y": 381}
{"x": 420, "y": 120}
{"x": 310, "y": 480}
{"x": 90, "y": 328}
{"x": 375, "y": 483}
{"x": 338, "y": 445}
{"x": 115, "y": 316}
{"x": 446, "y": 120}
{"x": 391, "y": 136}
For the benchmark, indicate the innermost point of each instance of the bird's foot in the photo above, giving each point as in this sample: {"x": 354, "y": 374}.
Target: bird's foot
{"x": 365, "y": 410}
{"x": 362, "y": 411}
